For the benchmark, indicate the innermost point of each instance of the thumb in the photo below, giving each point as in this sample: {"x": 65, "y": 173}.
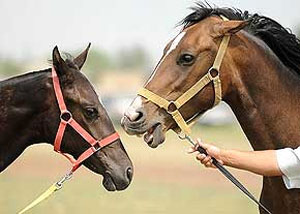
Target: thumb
{"x": 203, "y": 145}
{"x": 191, "y": 150}
{"x": 213, "y": 151}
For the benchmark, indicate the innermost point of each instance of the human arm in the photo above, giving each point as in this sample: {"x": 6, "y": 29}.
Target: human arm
{"x": 259, "y": 162}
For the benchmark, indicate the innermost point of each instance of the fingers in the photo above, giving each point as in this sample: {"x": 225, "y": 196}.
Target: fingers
{"x": 211, "y": 150}
{"x": 193, "y": 148}
{"x": 200, "y": 157}
{"x": 203, "y": 145}
{"x": 205, "y": 160}
{"x": 221, "y": 162}
{"x": 209, "y": 164}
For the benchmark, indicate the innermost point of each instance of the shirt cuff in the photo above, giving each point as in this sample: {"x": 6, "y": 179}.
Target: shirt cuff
{"x": 289, "y": 164}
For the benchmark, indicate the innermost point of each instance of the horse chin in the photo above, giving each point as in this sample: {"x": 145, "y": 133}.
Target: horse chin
{"x": 155, "y": 136}
{"x": 108, "y": 183}
{"x": 152, "y": 131}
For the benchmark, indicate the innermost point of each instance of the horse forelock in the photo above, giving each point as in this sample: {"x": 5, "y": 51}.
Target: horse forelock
{"x": 282, "y": 41}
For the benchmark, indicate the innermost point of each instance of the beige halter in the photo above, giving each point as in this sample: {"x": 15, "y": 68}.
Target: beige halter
{"x": 172, "y": 107}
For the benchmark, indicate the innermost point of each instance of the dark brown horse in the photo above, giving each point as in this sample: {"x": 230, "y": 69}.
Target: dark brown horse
{"x": 260, "y": 77}
{"x": 29, "y": 114}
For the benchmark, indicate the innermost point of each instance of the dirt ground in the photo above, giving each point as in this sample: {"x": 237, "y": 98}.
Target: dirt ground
{"x": 166, "y": 180}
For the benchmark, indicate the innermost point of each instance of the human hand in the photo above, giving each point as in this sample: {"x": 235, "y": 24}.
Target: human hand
{"x": 211, "y": 150}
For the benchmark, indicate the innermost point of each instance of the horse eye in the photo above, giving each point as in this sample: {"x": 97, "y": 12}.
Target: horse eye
{"x": 186, "y": 59}
{"x": 91, "y": 113}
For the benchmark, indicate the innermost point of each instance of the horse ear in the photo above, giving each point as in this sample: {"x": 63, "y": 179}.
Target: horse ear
{"x": 80, "y": 60}
{"x": 228, "y": 27}
{"x": 59, "y": 64}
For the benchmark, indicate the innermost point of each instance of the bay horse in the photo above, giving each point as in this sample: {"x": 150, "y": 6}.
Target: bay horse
{"x": 260, "y": 81}
{"x": 29, "y": 114}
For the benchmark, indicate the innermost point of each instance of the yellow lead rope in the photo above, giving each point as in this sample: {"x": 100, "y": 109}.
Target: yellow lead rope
{"x": 41, "y": 198}
{"x": 53, "y": 188}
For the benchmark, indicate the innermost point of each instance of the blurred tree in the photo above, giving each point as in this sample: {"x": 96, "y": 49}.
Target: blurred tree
{"x": 97, "y": 62}
{"x": 9, "y": 68}
{"x": 134, "y": 57}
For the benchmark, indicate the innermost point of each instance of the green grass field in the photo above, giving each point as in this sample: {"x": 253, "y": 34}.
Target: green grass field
{"x": 166, "y": 180}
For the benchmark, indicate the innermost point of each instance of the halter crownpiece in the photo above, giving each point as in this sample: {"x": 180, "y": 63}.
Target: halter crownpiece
{"x": 172, "y": 108}
{"x": 66, "y": 118}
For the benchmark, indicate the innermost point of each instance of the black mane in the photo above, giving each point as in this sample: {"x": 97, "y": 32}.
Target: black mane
{"x": 26, "y": 77}
{"x": 281, "y": 40}
{"x": 69, "y": 59}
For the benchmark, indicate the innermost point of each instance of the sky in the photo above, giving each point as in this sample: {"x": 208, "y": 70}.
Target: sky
{"x": 31, "y": 28}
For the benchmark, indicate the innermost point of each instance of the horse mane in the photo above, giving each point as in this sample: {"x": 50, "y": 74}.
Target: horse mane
{"x": 69, "y": 59}
{"x": 30, "y": 76}
{"x": 282, "y": 41}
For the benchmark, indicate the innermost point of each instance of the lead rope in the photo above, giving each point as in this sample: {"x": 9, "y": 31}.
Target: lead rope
{"x": 172, "y": 108}
{"x": 53, "y": 188}
{"x": 67, "y": 119}
{"x": 226, "y": 173}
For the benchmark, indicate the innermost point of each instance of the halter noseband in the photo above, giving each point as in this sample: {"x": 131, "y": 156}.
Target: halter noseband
{"x": 172, "y": 107}
{"x": 66, "y": 118}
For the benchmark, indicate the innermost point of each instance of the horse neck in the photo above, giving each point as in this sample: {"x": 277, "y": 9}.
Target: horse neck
{"x": 22, "y": 99}
{"x": 266, "y": 100}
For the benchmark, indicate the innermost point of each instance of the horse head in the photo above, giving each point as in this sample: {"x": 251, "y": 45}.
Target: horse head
{"x": 83, "y": 102}
{"x": 186, "y": 59}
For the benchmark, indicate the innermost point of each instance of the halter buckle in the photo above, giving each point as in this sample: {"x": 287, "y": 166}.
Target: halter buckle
{"x": 96, "y": 147}
{"x": 213, "y": 73}
{"x": 66, "y": 116}
{"x": 182, "y": 135}
{"x": 67, "y": 176}
{"x": 172, "y": 107}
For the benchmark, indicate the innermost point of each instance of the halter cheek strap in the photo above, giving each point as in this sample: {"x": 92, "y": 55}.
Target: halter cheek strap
{"x": 172, "y": 107}
{"x": 66, "y": 118}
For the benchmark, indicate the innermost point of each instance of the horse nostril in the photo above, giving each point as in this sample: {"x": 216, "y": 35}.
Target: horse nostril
{"x": 134, "y": 115}
{"x": 129, "y": 173}
{"x": 140, "y": 116}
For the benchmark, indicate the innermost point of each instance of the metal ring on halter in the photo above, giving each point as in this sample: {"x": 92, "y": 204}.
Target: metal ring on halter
{"x": 213, "y": 73}
{"x": 96, "y": 147}
{"x": 67, "y": 176}
{"x": 172, "y": 107}
{"x": 182, "y": 135}
{"x": 58, "y": 185}
{"x": 66, "y": 116}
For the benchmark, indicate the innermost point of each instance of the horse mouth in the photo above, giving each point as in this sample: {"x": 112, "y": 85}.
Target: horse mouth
{"x": 152, "y": 131}
{"x": 154, "y": 136}
{"x": 108, "y": 182}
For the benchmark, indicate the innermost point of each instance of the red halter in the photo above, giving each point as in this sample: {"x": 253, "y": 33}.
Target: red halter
{"x": 67, "y": 118}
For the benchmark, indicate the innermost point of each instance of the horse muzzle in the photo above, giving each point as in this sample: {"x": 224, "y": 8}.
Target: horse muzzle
{"x": 152, "y": 131}
{"x": 116, "y": 182}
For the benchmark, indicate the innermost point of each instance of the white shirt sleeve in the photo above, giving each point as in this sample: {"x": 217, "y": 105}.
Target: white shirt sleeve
{"x": 289, "y": 163}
